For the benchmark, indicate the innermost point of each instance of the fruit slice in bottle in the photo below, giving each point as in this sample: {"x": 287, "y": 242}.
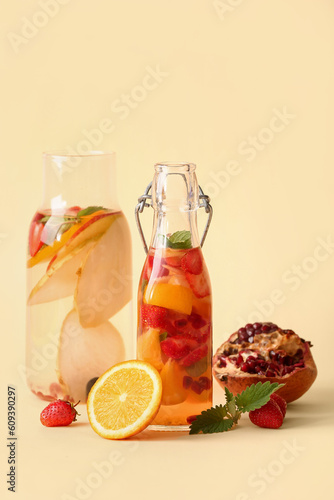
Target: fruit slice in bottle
{"x": 148, "y": 348}
{"x": 85, "y": 353}
{"x": 170, "y": 296}
{"x": 60, "y": 279}
{"x": 68, "y": 237}
{"x": 104, "y": 279}
{"x": 173, "y": 392}
{"x": 92, "y": 228}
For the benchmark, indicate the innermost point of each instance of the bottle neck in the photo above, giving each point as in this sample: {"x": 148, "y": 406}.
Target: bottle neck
{"x": 175, "y": 200}
{"x": 168, "y": 223}
{"x": 83, "y": 180}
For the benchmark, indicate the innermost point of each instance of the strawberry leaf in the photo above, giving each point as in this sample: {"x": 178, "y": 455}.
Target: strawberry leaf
{"x": 228, "y": 395}
{"x": 256, "y": 396}
{"x": 210, "y": 421}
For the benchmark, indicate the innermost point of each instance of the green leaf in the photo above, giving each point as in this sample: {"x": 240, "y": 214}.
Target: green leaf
{"x": 228, "y": 395}
{"x": 63, "y": 228}
{"x": 143, "y": 285}
{"x": 232, "y": 408}
{"x": 89, "y": 211}
{"x": 210, "y": 421}
{"x": 179, "y": 239}
{"x": 256, "y": 396}
{"x": 44, "y": 219}
{"x": 198, "y": 368}
{"x": 163, "y": 336}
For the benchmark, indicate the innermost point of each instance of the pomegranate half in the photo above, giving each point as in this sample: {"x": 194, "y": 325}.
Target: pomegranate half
{"x": 263, "y": 351}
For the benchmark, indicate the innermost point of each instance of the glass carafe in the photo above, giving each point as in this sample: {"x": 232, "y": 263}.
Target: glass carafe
{"x": 174, "y": 296}
{"x": 79, "y": 278}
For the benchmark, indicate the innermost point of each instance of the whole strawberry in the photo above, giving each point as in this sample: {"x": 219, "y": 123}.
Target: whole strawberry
{"x": 269, "y": 416}
{"x": 59, "y": 413}
{"x": 280, "y": 402}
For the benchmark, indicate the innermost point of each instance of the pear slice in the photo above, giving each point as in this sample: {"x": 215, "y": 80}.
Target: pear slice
{"x": 60, "y": 279}
{"x": 105, "y": 279}
{"x": 92, "y": 229}
{"x": 86, "y": 353}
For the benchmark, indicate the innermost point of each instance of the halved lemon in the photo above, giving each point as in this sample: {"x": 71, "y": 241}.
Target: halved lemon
{"x": 124, "y": 400}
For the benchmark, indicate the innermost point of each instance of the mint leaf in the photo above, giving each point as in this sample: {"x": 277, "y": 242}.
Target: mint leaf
{"x": 179, "y": 239}
{"x": 228, "y": 395}
{"x": 89, "y": 211}
{"x": 212, "y": 420}
{"x": 198, "y": 368}
{"x": 44, "y": 219}
{"x": 143, "y": 285}
{"x": 256, "y": 396}
{"x": 163, "y": 336}
{"x": 222, "y": 418}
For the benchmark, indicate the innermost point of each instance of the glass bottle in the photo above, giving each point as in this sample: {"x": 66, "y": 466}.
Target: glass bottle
{"x": 174, "y": 296}
{"x": 79, "y": 277}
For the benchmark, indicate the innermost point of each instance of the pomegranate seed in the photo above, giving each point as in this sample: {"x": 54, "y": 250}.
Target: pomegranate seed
{"x": 258, "y": 369}
{"x": 271, "y": 373}
{"x": 244, "y": 367}
{"x": 197, "y": 321}
{"x": 196, "y": 387}
{"x": 191, "y": 419}
{"x": 240, "y": 359}
{"x": 265, "y": 328}
{"x": 187, "y": 381}
{"x": 257, "y": 326}
{"x": 272, "y": 354}
{"x": 250, "y": 331}
{"x": 250, "y": 340}
{"x": 205, "y": 382}
{"x": 299, "y": 365}
{"x": 243, "y": 336}
{"x": 221, "y": 363}
{"x": 251, "y": 365}
{"x": 251, "y": 358}
{"x": 180, "y": 323}
{"x": 241, "y": 331}
{"x": 249, "y": 325}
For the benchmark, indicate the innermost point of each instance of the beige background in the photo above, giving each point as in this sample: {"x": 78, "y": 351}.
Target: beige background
{"x": 227, "y": 69}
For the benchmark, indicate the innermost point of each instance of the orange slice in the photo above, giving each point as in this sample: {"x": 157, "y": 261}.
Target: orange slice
{"x": 176, "y": 297}
{"x": 124, "y": 400}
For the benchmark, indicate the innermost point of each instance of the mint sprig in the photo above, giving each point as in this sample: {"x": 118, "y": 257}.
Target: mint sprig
{"x": 222, "y": 418}
{"x": 89, "y": 211}
{"x": 178, "y": 240}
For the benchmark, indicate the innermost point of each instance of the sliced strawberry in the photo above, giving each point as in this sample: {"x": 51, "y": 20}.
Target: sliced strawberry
{"x": 154, "y": 263}
{"x": 175, "y": 348}
{"x": 198, "y": 284}
{"x": 148, "y": 267}
{"x": 35, "y": 234}
{"x": 153, "y": 316}
{"x": 192, "y": 261}
{"x": 269, "y": 416}
{"x": 195, "y": 355}
{"x": 282, "y": 404}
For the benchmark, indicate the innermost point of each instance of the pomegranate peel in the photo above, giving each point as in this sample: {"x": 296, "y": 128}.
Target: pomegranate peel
{"x": 263, "y": 352}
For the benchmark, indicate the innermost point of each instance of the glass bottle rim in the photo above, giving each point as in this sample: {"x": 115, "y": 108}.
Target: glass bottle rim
{"x": 65, "y": 154}
{"x": 176, "y": 166}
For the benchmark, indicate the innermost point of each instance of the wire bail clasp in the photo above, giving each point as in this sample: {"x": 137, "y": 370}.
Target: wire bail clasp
{"x": 146, "y": 201}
